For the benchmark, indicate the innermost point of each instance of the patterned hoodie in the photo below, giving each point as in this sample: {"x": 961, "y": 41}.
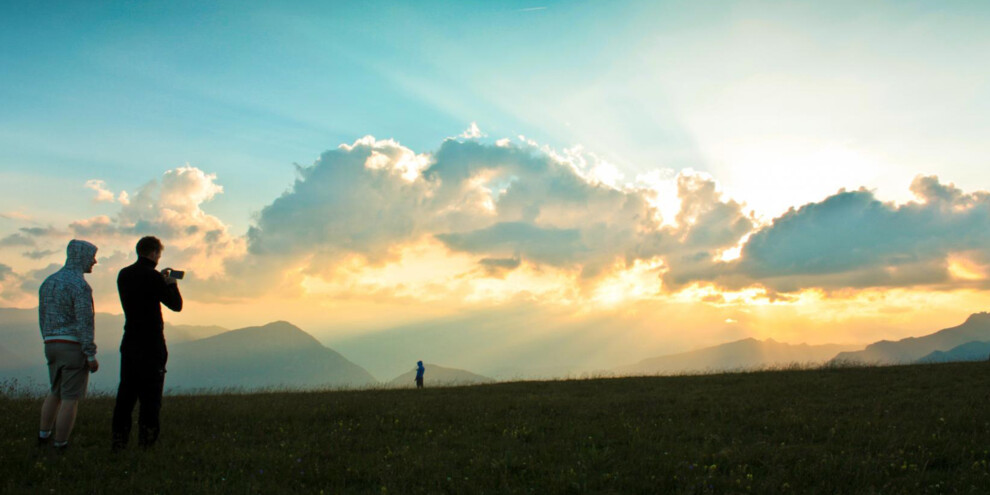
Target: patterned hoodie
{"x": 65, "y": 300}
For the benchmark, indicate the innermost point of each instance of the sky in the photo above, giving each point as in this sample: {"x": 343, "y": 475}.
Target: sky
{"x": 635, "y": 178}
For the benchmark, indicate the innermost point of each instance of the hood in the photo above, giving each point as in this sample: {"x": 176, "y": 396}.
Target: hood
{"x": 79, "y": 254}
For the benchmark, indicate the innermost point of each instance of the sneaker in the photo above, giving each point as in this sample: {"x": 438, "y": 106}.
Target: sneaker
{"x": 60, "y": 449}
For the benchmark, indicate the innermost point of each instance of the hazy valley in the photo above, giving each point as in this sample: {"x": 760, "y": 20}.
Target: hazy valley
{"x": 280, "y": 355}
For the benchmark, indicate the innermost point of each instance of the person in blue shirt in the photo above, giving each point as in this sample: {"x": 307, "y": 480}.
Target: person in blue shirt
{"x": 419, "y": 374}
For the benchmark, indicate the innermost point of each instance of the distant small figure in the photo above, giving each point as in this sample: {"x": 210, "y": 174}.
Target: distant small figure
{"x": 65, "y": 315}
{"x": 419, "y": 374}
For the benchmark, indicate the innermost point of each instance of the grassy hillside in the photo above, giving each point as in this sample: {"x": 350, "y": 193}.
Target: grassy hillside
{"x": 908, "y": 429}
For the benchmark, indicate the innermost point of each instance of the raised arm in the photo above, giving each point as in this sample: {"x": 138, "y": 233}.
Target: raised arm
{"x": 169, "y": 294}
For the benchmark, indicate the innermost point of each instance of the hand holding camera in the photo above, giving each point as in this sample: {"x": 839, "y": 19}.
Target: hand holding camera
{"x": 172, "y": 276}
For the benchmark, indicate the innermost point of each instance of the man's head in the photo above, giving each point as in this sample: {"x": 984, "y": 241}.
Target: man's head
{"x": 80, "y": 255}
{"x": 150, "y": 247}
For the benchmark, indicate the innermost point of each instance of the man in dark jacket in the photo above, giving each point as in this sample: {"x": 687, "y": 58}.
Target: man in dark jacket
{"x": 143, "y": 354}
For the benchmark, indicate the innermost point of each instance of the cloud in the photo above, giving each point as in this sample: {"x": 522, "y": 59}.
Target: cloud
{"x": 171, "y": 209}
{"x": 375, "y": 217}
{"x": 31, "y": 281}
{"x": 362, "y": 199}
{"x": 10, "y": 293}
{"x": 42, "y": 231}
{"x": 15, "y": 215}
{"x": 39, "y": 254}
{"x": 504, "y": 205}
{"x": 705, "y": 219}
{"x": 95, "y": 227}
{"x": 16, "y": 239}
{"x": 498, "y": 267}
{"x": 103, "y": 195}
{"x": 853, "y": 240}
{"x": 556, "y": 247}
{"x": 472, "y": 132}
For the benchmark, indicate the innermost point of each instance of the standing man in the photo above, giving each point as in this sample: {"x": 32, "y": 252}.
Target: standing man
{"x": 65, "y": 315}
{"x": 420, "y": 369}
{"x": 143, "y": 354}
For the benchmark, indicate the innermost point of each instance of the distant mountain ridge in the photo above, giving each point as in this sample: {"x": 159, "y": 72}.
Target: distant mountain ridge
{"x": 19, "y": 332}
{"x": 281, "y": 355}
{"x": 276, "y": 355}
{"x": 439, "y": 376}
{"x": 972, "y": 351}
{"x": 976, "y": 328}
{"x": 742, "y": 354}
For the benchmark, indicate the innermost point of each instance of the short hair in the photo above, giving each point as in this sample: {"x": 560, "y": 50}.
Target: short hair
{"x": 149, "y": 245}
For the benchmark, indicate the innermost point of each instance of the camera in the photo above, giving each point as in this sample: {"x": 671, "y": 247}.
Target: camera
{"x": 176, "y": 274}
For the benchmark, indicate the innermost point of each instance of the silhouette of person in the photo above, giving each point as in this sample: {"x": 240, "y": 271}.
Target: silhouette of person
{"x": 66, "y": 318}
{"x": 420, "y": 369}
{"x": 143, "y": 354}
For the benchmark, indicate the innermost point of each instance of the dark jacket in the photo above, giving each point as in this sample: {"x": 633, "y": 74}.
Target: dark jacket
{"x": 142, "y": 291}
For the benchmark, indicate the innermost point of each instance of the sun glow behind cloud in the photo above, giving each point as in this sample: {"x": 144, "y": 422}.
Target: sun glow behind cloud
{"x": 962, "y": 268}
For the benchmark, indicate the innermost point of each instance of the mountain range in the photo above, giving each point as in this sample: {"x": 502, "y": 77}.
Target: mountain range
{"x": 971, "y": 351}
{"x": 281, "y": 355}
{"x": 739, "y": 355}
{"x": 976, "y": 328}
{"x": 276, "y": 355}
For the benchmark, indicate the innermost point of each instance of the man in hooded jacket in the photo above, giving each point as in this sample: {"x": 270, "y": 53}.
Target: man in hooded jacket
{"x": 66, "y": 318}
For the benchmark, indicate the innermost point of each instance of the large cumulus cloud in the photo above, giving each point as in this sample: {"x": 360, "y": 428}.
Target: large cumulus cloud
{"x": 512, "y": 211}
{"x": 853, "y": 240}
{"x": 505, "y": 204}
{"x": 171, "y": 209}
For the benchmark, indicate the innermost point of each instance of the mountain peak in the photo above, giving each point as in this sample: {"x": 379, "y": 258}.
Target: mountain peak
{"x": 275, "y": 335}
{"x": 281, "y": 325}
{"x": 911, "y": 349}
{"x": 982, "y": 316}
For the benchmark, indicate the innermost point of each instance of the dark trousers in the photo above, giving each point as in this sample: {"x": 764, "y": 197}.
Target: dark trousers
{"x": 142, "y": 378}
{"x": 419, "y": 383}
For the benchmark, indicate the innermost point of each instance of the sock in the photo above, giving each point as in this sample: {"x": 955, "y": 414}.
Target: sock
{"x": 42, "y": 434}
{"x": 60, "y": 444}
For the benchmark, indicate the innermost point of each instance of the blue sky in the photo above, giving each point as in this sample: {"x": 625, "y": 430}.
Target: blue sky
{"x": 128, "y": 90}
{"x": 719, "y": 117}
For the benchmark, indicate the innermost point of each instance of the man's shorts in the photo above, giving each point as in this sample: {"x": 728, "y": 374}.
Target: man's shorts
{"x": 68, "y": 371}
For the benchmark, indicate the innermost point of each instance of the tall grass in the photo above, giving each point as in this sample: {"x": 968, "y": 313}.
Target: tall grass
{"x": 905, "y": 429}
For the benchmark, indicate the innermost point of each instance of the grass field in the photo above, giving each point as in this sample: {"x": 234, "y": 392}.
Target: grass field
{"x": 905, "y": 429}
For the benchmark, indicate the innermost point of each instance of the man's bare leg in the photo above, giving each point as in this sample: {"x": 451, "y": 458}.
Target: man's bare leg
{"x": 66, "y": 420}
{"x": 48, "y": 412}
